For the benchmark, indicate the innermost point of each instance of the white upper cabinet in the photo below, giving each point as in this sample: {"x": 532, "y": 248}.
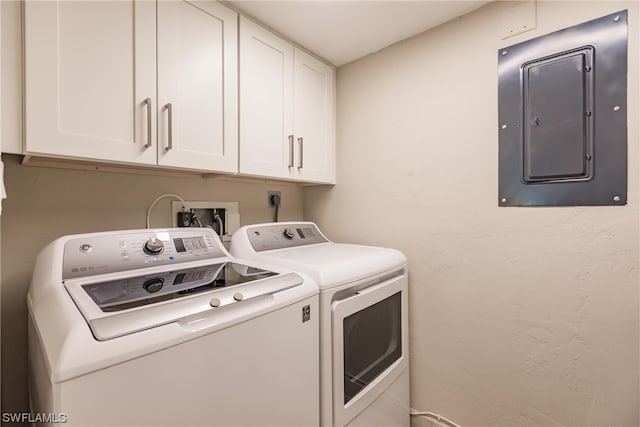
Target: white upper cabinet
{"x": 197, "y": 86}
{"x": 157, "y": 83}
{"x": 286, "y": 109}
{"x": 89, "y": 66}
{"x": 93, "y": 90}
{"x": 266, "y": 102}
{"x": 313, "y": 118}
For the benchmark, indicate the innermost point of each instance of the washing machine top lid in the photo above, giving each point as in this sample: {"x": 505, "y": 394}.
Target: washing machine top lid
{"x": 122, "y": 303}
{"x": 302, "y": 247}
{"x": 128, "y": 281}
{"x": 146, "y": 289}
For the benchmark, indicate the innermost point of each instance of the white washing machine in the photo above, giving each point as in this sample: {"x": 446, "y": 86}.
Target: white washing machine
{"x": 164, "y": 327}
{"x": 364, "y": 341}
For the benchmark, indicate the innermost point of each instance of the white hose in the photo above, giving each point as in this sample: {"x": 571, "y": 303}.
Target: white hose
{"x": 156, "y": 201}
{"x": 436, "y": 417}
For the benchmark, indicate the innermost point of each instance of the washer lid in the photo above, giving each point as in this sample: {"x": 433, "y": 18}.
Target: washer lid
{"x": 301, "y": 246}
{"x": 332, "y": 264}
{"x": 126, "y": 304}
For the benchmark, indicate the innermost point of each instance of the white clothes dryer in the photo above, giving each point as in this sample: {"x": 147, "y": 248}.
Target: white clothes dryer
{"x": 164, "y": 327}
{"x": 364, "y": 341}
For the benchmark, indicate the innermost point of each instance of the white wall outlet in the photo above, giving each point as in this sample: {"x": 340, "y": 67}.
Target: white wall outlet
{"x": 231, "y": 218}
{"x": 519, "y": 18}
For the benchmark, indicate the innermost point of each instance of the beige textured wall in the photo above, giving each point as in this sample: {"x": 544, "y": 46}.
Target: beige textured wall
{"x": 519, "y": 316}
{"x": 46, "y": 203}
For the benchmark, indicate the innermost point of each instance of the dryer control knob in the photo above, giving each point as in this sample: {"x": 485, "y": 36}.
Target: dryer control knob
{"x": 215, "y": 302}
{"x": 153, "y": 246}
{"x": 153, "y": 285}
{"x": 238, "y": 296}
{"x": 289, "y": 233}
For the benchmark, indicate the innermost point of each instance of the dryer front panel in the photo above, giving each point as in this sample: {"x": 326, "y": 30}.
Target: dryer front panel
{"x": 370, "y": 345}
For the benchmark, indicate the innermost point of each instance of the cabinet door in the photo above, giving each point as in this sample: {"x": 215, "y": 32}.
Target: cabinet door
{"x": 313, "y": 118}
{"x": 197, "y": 86}
{"x": 266, "y": 102}
{"x": 89, "y": 67}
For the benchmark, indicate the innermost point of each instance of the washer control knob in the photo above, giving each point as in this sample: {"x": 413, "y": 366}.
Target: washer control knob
{"x": 238, "y": 296}
{"x": 153, "y": 246}
{"x": 153, "y": 285}
{"x": 215, "y": 302}
{"x": 289, "y": 233}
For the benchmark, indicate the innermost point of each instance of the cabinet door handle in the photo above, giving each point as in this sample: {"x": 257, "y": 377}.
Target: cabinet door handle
{"x": 148, "y": 104}
{"x": 301, "y": 141}
{"x": 169, "y": 127}
{"x": 290, "y": 151}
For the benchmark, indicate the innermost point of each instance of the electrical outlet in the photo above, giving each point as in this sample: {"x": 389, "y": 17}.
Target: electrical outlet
{"x": 270, "y": 194}
{"x": 206, "y": 214}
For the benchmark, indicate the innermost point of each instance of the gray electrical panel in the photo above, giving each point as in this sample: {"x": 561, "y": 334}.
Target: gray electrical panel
{"x": 562, "y": 117}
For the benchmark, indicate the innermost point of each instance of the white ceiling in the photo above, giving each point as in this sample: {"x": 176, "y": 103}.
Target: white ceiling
{"x": 342, "y": 31}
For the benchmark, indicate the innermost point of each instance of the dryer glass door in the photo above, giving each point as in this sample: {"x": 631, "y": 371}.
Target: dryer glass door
{"x": 369, "y": 345}
{"x": 372, "y": 341}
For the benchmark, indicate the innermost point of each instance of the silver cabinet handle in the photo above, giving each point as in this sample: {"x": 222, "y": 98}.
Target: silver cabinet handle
{"x": 148, "y": 103}
{"x": 290, "y": 151}
{"x": 169, "y": 146}
{"x": 300, "y": 141}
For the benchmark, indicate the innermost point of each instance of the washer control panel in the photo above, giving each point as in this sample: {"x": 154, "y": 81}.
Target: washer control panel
{"x": 279, "y": 236}
{"x": 121, "y": 251}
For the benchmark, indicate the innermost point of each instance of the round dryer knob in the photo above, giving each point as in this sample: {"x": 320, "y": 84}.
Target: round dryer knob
{"x": 153, "y": 285}
{"x": 238, "y": 296}
{"x": 153, "y": 246}
{"x": 289, "y": 233}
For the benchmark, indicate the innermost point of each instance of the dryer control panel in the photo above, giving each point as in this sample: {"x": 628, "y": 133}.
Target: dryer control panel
{"x": 108, "y": 253}
{"x": 285, "y": 235}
